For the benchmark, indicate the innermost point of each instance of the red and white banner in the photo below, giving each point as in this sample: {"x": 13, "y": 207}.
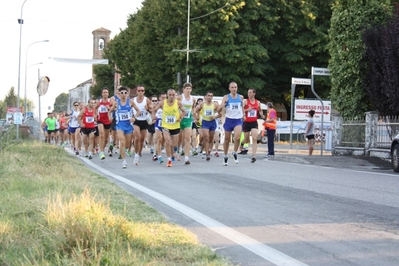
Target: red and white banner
{"x": 302, "y": 107}
{"x": 13, "y": 109}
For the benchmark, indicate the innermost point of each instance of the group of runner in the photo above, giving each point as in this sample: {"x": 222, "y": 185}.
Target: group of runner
{"x": 168, "y": 122}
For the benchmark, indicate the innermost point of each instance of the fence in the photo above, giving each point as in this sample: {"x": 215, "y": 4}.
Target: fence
{"x": 365, "y": 136}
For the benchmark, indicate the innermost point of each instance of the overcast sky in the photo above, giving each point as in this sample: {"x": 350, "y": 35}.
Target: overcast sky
{"x": 68, "y": 26}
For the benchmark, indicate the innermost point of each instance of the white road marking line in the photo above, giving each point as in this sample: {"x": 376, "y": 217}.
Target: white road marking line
{"x": 270, "y": 254}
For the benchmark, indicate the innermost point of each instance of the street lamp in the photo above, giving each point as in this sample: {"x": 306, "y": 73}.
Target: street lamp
{"x": 26, "y": 75}
{"x": 26, "y": 63}
{"x": 20, "y": 21}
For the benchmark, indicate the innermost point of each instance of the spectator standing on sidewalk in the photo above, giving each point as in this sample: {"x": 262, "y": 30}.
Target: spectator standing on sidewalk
{"x": 309, "y": 133}
{"x": 270, "y": 125}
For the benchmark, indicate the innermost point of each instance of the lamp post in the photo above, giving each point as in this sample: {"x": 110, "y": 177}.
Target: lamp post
{"x": 26, "y": 75}
{"x": 20, "y": 21}
{"x": 26, "y": 63}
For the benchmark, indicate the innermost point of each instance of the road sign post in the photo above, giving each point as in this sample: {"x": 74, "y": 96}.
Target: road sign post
{"x": 318, "y": 71}
{"x": 294, "y": 82}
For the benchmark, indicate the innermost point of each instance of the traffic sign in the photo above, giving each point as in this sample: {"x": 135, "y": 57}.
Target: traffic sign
{"x": 301, "y": 81}
{"x": 42, "y": 86}
{"x": 319, "y": 71}
{"x": 18, "y": 118}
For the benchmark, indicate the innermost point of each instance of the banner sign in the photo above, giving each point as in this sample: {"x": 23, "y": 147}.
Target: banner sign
{"x": 302, "y": 107}
{"x": 81, "y": 61}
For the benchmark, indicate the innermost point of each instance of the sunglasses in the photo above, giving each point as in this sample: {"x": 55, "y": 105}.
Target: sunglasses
{"x": 123, "y": 92}
{"x": 154, "y": 101}
{"x": 76, "y": 105}
{"x": 140, "y": 90}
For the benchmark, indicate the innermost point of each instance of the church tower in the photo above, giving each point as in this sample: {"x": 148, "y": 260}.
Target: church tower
{"x": 101, "y": 38}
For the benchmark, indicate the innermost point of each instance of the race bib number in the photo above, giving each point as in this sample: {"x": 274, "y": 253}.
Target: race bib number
{"x": 160, "y": 123}
{"x": 234, "y": 106}
{"x": 124, "y": 116}
{"x": 188, "y": 113}
{"x": 89, "y": 119}
{"x": 171, "y": 119}
{"x": 252, "y": 113}
{"x": 102, "y": 109}
{"x": 143, "y": 113}
{"x": 208, "y": 112}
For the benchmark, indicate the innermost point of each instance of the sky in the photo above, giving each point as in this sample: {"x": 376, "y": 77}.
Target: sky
{"x": 68, "y": 26}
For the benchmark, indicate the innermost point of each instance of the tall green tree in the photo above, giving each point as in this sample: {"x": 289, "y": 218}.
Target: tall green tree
{"x": 104, "y": 78}
{"x": 380, "y": 65}
{"x": 61, "y": 103}
{"x": 11, "y": 98}
{"x": 349, "y": 20}
{"x": 259, "y": 44}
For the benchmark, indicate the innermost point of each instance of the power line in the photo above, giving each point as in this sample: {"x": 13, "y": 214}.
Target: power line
{"x": 210, "y": 12}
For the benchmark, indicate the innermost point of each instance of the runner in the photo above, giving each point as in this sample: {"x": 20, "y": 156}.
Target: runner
{"x": 252, "y": 108}
{"x": 73, "y": 125}
{"x": 171, "y": 118}
{"x": 232, "y": 103}
{"x": 140, "y": 123}
{"x": 151, "y": 126}
{"x": 188, "y": 103}
{"x": 123, "y": 107}
{"x": 208, "y": 110}
{"x": 103, "y": 122}
{"x": 86, "y": 120}
{"x": 159, "y": 139}
{"x": 63, "y": 121}
{"x": 113, "y": 142}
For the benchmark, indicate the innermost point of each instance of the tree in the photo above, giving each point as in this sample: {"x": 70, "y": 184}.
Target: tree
{"x": 349, "y": 20}
{"x": 104, "y": 78}
{"x": 61, "y": 103}
{"x": 11, "y": 98}
{"x": 380, "y": 65}
{"x": 259, "y": 44}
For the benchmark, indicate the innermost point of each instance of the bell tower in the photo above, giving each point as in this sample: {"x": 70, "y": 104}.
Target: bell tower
{"x": 100, "y": 40}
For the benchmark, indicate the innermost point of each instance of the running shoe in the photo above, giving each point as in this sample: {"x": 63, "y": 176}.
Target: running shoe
{"x": 169, "y": 164}
{"x": 195, "y": 152}
{"x": 77, "y": 152}
{"x": 225, "y": 160}
{"x": 182, "y": 153}
{"x": 160, "y": 160}
{"x": 90, "y": 156}
{"x": 110, "y": 153}
{"x": 120, "y": 157}
{"x": 102, "y": 156}
{"x": 136, "y": 159}
{"x": 245, "y": 151}
{"x": 86, "y": 155}
{"x": 208, "y": 157}
{"x": 129, "y": 153}
{"x": 154, "y": 157}
{"x": 152, "y": 150}
{"x": 253, "y": 159}
{"x": 216, "y": 154}
{"x": 110, "y": 147}
{"x": 234, "y": 154}
{"x": 173, "y": 159}
{"x": 186, "y": 160}
{"x": 124, "y": 164}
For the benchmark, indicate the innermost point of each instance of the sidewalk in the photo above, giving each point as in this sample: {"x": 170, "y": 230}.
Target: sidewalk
{"x": 299, "y": 154}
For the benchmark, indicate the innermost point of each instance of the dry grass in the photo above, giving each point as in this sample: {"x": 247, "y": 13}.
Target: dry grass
{"x": 55, "y": 211}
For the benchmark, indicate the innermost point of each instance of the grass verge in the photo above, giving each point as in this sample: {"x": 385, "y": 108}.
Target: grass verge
{"x": 55, "y": 211}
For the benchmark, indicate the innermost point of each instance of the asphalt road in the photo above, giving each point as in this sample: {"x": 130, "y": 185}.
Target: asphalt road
{"x": 287, "y": 211}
